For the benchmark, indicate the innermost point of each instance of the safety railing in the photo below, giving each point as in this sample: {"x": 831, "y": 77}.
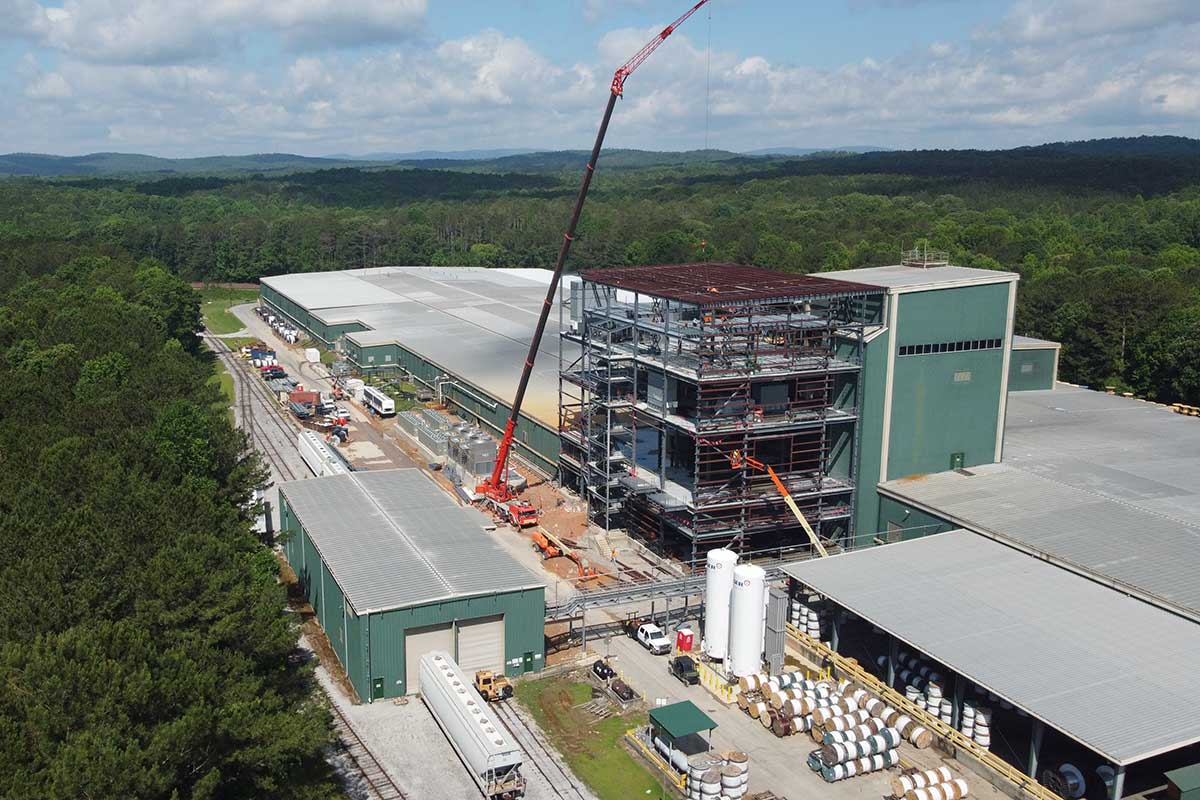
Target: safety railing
{"x": 675, "y": 777}
{"x": 852, "y": 670}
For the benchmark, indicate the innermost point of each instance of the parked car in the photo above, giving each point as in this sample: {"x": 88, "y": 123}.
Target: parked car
{"x": 653, "y": 639}
{"x": 602, "y": 670}
{"x": 684, "y": 668}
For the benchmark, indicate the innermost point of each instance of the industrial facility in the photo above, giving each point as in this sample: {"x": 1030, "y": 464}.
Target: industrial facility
{"x": 394, "y": 569}
{"x": 1024, "y": 546}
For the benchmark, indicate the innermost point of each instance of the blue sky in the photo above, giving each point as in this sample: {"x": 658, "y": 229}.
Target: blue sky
{"x": 195, "y": 77}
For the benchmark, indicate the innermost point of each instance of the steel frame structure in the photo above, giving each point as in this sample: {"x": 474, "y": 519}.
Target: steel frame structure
{"x": 695, "y": 362}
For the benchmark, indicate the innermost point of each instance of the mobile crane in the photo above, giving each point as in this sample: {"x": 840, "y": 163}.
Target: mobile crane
{"x": 495, "y": 492}
{"x": 737, "y": 460}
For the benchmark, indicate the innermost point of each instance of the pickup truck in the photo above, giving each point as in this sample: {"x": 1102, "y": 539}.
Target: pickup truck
{"x": 684, "y": 668}
{"x": 653, "y": 639}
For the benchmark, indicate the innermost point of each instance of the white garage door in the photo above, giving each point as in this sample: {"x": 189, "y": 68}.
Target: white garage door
{"x": 418, "y": 642}
{"x": 481, "y": 644}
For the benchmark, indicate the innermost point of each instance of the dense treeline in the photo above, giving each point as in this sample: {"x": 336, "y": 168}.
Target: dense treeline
{"x": 1106, "y": 236}
{"x": 144, "y": 651}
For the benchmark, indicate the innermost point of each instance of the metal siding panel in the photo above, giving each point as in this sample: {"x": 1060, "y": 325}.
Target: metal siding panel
{"x": 870, "y": 423}
{"x": 934, "y": 416}
{"x": 1101, "y": 667}
{"x": 1042, "y": 376}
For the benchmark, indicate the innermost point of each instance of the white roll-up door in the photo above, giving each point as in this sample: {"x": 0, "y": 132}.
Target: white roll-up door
{"x": 418, "y": 642}
{"x": 481, "y": 644}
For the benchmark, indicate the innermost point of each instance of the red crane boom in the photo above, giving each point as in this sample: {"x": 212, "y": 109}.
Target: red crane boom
{"x": 495, "y": 491}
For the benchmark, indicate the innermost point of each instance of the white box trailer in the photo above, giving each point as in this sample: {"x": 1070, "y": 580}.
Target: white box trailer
{"x": 318, "y": 455}
{"x": 485, "y": 746}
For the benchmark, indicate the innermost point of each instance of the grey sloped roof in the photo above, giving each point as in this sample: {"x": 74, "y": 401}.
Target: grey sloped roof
{"x": 393, "y": 539}
{"x": 1102, "y": 484}
{"x": 475, "y": 323}
{"x": 1108, "y": 670}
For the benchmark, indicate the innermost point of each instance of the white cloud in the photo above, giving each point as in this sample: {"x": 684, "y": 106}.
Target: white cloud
{"x": 174, "y": 31}
{"x": 491, "y": 89}
{"x": 1063, "y": 20}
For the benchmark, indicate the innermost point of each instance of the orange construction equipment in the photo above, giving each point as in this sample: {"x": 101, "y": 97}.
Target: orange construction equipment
{"x": 737, "y": 460}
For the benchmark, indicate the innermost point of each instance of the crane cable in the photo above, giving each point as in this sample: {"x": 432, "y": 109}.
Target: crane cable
{"x": 707, "y": 75}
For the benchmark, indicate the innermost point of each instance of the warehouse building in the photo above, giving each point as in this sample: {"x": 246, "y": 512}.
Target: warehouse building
{"x": 394, "y": 568}
{"x": 1060, "y": 582}
{"x": 462, "y": 332}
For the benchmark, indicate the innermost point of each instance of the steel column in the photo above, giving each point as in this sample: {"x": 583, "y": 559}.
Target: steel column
{"x": 1035, "y": 746}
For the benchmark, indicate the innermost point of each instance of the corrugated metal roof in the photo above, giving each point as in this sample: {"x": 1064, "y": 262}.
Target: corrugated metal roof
{"x": 1106, "y": 485}
{"x": 903, "y": 277}
{"x": 1105, "y": 669}
{"x": 393, "y": 539}
{"x": 473, "y": 322}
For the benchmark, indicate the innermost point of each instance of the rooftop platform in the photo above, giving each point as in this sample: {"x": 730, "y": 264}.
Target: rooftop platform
{"x": 1105, "y": 669}
{"x": 1104, "y": 485}
{"x": 904, "y": 278}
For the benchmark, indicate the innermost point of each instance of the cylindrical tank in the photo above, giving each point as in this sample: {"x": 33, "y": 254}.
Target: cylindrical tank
{"x": 745, "y": 619}
{"x": 718, "y": 586}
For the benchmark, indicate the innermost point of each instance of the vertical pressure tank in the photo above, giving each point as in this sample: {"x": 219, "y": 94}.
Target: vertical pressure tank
{"x": 718, "y": 585}
{"x": 746, "y": 619}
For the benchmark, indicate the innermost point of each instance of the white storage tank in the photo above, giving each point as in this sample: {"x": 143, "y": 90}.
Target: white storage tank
{"x": 746, "y": 619}
{"x": 718, "y": 586}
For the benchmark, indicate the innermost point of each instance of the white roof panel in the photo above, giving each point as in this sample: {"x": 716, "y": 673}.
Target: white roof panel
{"x": 901, "y": 278}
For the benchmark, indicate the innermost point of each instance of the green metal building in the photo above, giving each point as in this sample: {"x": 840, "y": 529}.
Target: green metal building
{"x": 1033, "y": 365}
{"x": 934, "y": 378}
{"x": 394, "y": 569}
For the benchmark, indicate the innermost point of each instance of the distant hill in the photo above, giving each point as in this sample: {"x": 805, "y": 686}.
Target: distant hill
{"x": 558, "y": 160}
{"x": 444, "y": 155}
{"x": 1124, "y": 146}
{"x": 808, "y": 151}
{"x": 109, "y": 164}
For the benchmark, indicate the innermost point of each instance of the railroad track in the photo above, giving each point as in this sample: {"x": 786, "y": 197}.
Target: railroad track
{"x": 258, "y": 413}
{"x": 539, "y": 754}
{"x": 381, "y": 785}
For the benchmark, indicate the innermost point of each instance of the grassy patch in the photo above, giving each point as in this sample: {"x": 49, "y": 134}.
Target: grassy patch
{"x": 591, "y": 746}
{"x": 214, "y": 305}
{"x": 238, "y": 342}
{"x": 224, "y": 380}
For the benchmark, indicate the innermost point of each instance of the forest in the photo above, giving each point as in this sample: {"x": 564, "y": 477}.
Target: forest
{"x": 143, "y": 648}
{"x": 1105, "y": 234}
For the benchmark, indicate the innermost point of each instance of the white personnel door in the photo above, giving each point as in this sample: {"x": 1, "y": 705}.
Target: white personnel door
{"x": 418, "y": 642}
{"x": 481, "y": 644}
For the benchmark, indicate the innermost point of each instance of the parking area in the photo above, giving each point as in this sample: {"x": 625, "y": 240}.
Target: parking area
{"x": 775, "y": 764}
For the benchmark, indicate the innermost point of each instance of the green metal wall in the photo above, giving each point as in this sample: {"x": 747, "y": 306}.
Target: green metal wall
{"x": 315, "y": 328}
{"x": 870, "y": 423}
{"x": 535, "y": 441}
{"x": 913, "y": 523}
{"x": 1031, "y": 369}
{"x": 524, "y": 632}
{"x": 372, "y": 647}
{"x": 935, "y": 413}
